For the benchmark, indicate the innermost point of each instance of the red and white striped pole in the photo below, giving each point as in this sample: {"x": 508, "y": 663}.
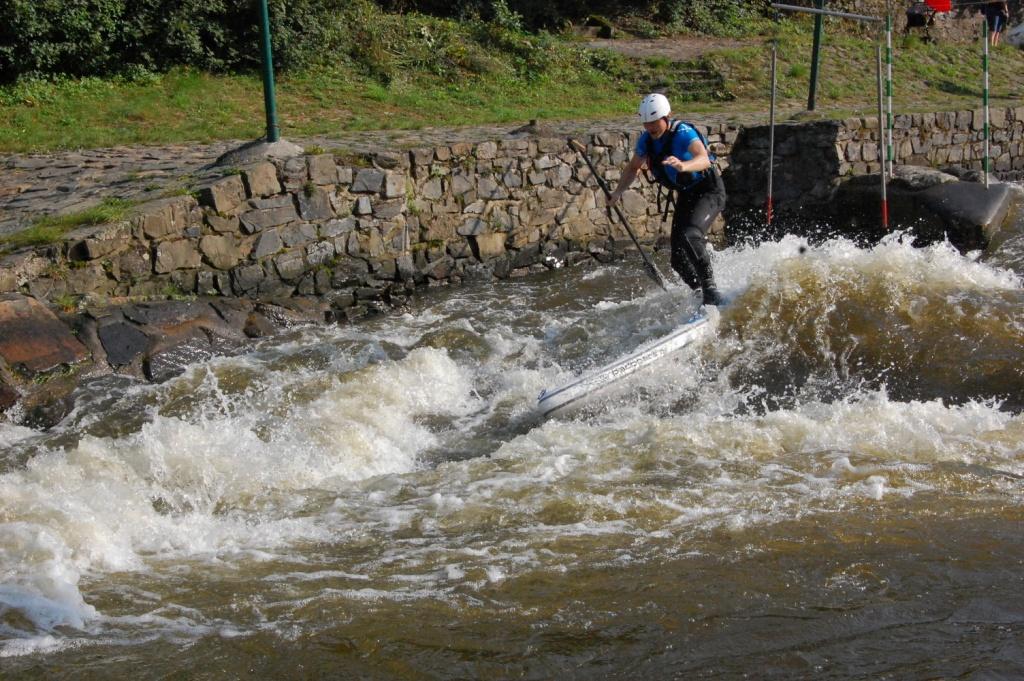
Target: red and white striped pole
{"x": 771, "y": 138}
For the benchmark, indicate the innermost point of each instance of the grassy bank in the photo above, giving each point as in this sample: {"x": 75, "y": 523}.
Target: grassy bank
{"x": 445, "y": 74}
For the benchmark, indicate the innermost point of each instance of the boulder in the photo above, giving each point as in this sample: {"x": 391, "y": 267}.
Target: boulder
{"x": 33, "y": 339}
{"x": 122, "y": 341}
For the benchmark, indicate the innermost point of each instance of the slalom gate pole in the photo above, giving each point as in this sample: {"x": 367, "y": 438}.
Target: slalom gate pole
{"x": 771, "y": 137}
{"x": 891, "y": 151}
{"x": 824, "y": 12}
{"x": 649, "y": 267}
{"x": 881, "y": 134}
{"x": 984, "y": 67}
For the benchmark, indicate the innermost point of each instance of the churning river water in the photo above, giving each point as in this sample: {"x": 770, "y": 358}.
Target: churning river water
{"x": 829, "y": 485}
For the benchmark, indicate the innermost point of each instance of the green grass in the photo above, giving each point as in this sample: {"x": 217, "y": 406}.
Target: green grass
{"x": 926, "y": 77}
{"x": 184, "y": 105}
{"x": 51, "y": 228}
{"x": 469, "y": 76}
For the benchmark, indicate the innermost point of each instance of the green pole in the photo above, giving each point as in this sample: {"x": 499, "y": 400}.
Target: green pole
{"x": 819, "y": 23}
{"x": 269, "y": 101}
{"x": 984, "y": 65}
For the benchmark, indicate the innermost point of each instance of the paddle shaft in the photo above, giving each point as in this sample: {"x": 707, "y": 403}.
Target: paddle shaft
{"x": 648, "y": 265}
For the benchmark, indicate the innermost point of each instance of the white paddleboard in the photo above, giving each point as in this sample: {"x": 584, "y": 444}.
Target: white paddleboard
{"x": 583, "y": 388}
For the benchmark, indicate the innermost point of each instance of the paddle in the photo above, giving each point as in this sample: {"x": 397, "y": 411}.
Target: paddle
{"x": 648, "y": 265}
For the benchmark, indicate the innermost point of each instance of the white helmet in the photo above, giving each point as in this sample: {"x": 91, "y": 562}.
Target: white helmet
{"x": 653, "y": 107}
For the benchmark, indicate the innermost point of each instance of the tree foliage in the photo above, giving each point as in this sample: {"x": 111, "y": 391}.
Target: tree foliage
{"x": 104, "y": 37}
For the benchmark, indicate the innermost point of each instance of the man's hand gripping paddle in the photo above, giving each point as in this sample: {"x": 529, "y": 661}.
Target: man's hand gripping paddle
{"x": 652, "y": 271}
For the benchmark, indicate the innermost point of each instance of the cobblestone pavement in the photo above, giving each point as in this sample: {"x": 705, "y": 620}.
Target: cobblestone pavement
{"x": 32, "y": 185}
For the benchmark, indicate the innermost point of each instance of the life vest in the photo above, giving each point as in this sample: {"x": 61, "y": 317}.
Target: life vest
{"x": 658, "y": 169}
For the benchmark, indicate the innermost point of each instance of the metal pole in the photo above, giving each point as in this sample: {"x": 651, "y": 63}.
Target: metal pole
{"x": 269, "y": 101}
{"x": 984, "y": 64}
{"x": 881, "y": 155}
{"x": 819, "y": 21}
{"x": 771, "y": 137}
{"x": 888, "y": 93}
{"x": 826, "y": 12}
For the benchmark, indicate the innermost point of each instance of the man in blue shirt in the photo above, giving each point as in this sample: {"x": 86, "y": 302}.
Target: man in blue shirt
{"x": 678, "y": 157}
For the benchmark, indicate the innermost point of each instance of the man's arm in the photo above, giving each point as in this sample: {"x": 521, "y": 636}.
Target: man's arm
{"x": 629, "y": 174}
{"x": 700, "y": 161}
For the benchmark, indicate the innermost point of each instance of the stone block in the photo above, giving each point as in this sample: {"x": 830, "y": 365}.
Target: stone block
{"x": 297, "y": 234}
{"x": 222, "y": 225}
{"x": 394, "y": 185}
{"x": 486, "y": 150}
{"x": 162, "y": 218}
{"x": 267, "y": 243}
{"x": 461, "y": 183}
{"x": 368, "y": 181}
{"x": 472, "y": 227}
{"x": 997, "y": 118}
{"x": 261, "y": 180}
{"x": 33, "y": 339}
{"x": 488, "y": 188}
{"x": 422, "y": 156}
{"x": 432, "y": 189}
{"x": 245, "y": 279}
{"x": 387, "y": 210}
{"x": 221, "y": 252}
{"x": 322, "y": 169}
{"x": 93, "y": 249}
{"x": 223, "y": 195}
{"x": 633, "y": 203}
{"x": 176, "y": 255}
{"x": 258, "y": 220}
{"x": 315, "y": 204}
{"x": 333, "y": 228}
{"x": 553, "y": 198}
{"x": 320, "y": 253}
{"x": 290, "y": 266}
{"x": 389, "y": 160}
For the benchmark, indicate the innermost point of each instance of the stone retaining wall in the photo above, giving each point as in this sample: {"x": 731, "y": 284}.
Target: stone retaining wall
{"x": 357, "y": 229}
{"x": 813, "y": 158}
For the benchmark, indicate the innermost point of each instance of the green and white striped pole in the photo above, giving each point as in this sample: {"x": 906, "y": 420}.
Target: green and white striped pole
{"x": 984, "y": 67}
{"x": 890, "y": 150}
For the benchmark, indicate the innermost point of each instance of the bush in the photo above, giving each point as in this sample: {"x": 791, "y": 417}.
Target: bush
{"x": 104, "y": 37}
{"x": 76, "y": 38}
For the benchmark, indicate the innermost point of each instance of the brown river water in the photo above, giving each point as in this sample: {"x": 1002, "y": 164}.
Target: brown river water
{"x": 829, "y": 485}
